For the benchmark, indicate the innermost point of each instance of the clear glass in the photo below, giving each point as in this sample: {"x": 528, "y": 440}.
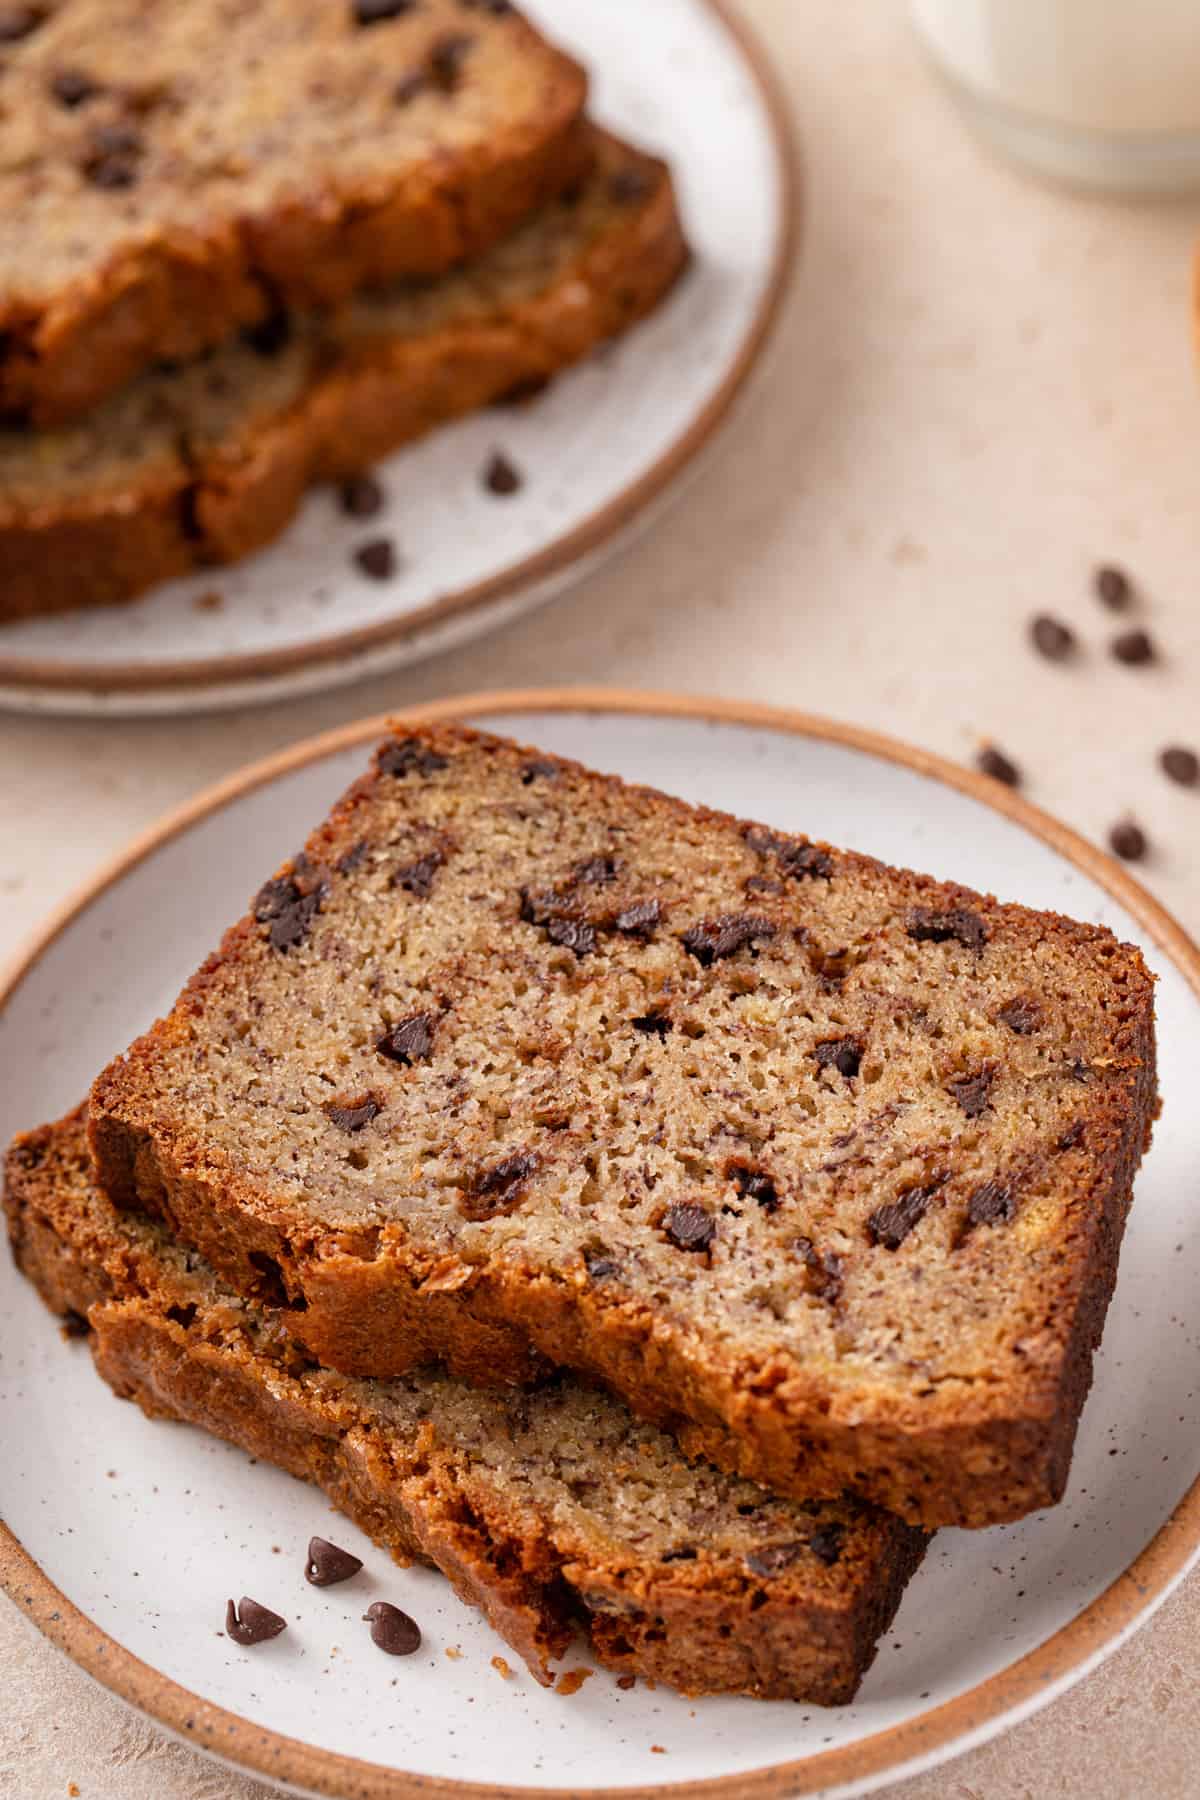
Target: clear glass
{"x": 1102, "y": 93}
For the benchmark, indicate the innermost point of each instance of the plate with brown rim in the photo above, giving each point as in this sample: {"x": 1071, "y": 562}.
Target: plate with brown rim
{"x": 125, "y": 1535}
{"x": 597, "y": 453}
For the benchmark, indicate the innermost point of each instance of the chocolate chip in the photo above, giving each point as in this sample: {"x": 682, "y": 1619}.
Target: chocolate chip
{"x": 409, "y": 1041}
{"x": 499, "y": 1189}
{"x": 890, "y": 1225}
{"x": 640, "y": 919}
{"x": 392, "y": 1630}
{"x": 805, "y": 862}
{"x": 629, "y": 184}
{"x": 377, "y": 558}
{"x": 361, "y": 496}
{"x": 353, "y": 1115}
{"x": 409, "y": 86}
{"x": 843, "y": 1054}
{"x": 715, "y": 938}
{"x": 1021, "y": 1015}
{"x": 249, "y": 1623}
{"x": 1113, "y": 587}
{"x": 1134, "y": 648}
{"x": 823, "y": 1269}
{"x": 598, "y": 1267}
{"x": 74, "y": 1324}
{"x": 497, "y": 8}
{"x": 993, "y": 762}
{"x": 529, "y": 387}
{"x": 400, "y": 758}
{"x": 270, "y": 335}
{"x": 446, "y": 59}
{"x": 374, "y": 12}
{"x": 17, "y": 22}
{"x": 1053, "y": 640}
{"x": 688, "y": 1226}
{"x": 417, "y": 877}
{"x": 288, "y": 910}
{"x": 111, "y": 172}
{"x": 762, "y": 884}
{"x": 350, "y": 860}
{"x": 540, "y": 769}
{"x": 596, "y": 870}
{"x": 991, "y": 1204}
{"x": 773, "y": 1559}
{"x": 1128, "y": 840}
{"x": 116, "y": 140}
{"x": 327, "y": 1564}
{"x": 1180, "y": 765}
{"x": 826, "y": 1544}
{"x": 971, "y": 1092}
{"x": 502, "y": 476}
{"x": 753, "y": 1184}
{"x": 653, "y": 1024}
{"x": 957, "y": 923}
{"x": 71, "y": 87}
{"x": 572, "y": 934}
{"x": 681, "y": 1553}
{"x": 1074, "y": 1134}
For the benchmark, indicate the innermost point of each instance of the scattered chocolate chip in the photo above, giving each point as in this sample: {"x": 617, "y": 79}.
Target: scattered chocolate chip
{"x": 805, "y": 861}
{"x": 1134, "y": 648}
{"x": 249, "y": 1623}
{"x": 499, "y": 1189}
{"x": 1128, "y": 840}
{"x": 681, "y": 1553}
{"x": 350, "y": 860}
{"x": 502, "y": 476}
{"x": 361, "y": 496}
{"x": 1074, "y": 1134}
{"x": 762, "y": 884}
{"x": 1053, "y": 640}
{"x": 596, "y": 870}
{"x": 653, "y": 1024}
{"x": 688, "y": 1226}
{"x": 826, "y": 1544}
{"x": 409, "y": 1041}
{"x": 446, "y": 59}
{"x": 270, "y": 335}
{"x": 392, "y": 1630}
{"x": 715, "y": 938}
{"x": 598, "y": 1267}
{"x": 529, "y": 387}
{"x": 753, "y": 1184}
{"x": 111, "y": 172}
{"x": 374, "y": 12}
{"x": 992, "y": 1204}
{"x": 541, "y": 769}
{"x": 288, "y": 910}
{"x": 409, "y": 86}
{"x": 823, "y": 1268}
{"x": 327, "y": 1564}
{"x": 971, "y": 1092}
{"x": 629, "y": 184}
{"x": 773, "y": 1559}
{"x": 74, "y": 1324}
{"x": 640, "y": 919}
{"x": 417, "y": 877}
{"x": 377, "y": 558}
{"x": 572, "y": 934}
{"x": 17, "y": 22}
{"x": 1113, "y": 587}
{"x": 1021, "y": 1015}
{"x": 890, "y": 1225}
{"x": 993, "y": 762}
{"x": 400, "y": 758}
{"x": 959, "y": 924}
{"x": 843, "y": 1054}
{"x": 1180, "y": 765}
{"x": 71, "y": 87}
{"x": 351, "y": 1116}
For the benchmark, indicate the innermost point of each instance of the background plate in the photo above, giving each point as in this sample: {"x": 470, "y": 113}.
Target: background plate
{"x": 145, "y": 1528}
{"x": 597, "y": 449}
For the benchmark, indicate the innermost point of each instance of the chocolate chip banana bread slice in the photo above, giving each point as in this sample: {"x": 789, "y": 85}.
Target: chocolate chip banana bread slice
{"x": 170, "y": 173}
{"x": 552, "y": 1511}
{"x": 821, "y": 1164}
{"x": 205, "y": 463}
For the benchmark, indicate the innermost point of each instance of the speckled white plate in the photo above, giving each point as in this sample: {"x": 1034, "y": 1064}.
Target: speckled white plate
{"x": 603, "y": 445}
{"x": 133, "y": 1533}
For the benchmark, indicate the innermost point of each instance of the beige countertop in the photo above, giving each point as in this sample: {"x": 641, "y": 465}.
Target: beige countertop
{"x": 981, "y": 388}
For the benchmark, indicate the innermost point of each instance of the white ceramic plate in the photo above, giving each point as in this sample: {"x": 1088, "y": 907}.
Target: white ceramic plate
{"x": 597, "y": 450}
{"x": 143, "y": 1529}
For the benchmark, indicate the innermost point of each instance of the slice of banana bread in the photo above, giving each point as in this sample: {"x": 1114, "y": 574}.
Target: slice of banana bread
{"x": 205, "y": 463}
{"x": 172, "y": 172}
{"x": 551, "y": 1510}
{"x": 822, "y": 1164}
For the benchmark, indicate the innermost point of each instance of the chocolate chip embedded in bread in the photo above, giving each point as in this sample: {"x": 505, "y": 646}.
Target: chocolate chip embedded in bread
{"x": 540, "y": 769}
{"x": 599, "y": 1267}
{"x": 270, "y": 335}
{"x": 417, "y": 877}
{"x": 800, "y": 862}
{"x": 249, "y": 1623}
{"x": 653, "y": 1024}
{"x": 288, "y": 910}
{"x": 446, "y": 60}
{"x": 715, "y": 938}
{"x": 823, "y": 1270}
{"x": 992, "y": 1204}
{"x": 596, "y": 870}
{"x": 774, "y": 1559}
{"x": 826, "y": 1544}
{"x": 753, "y": 1184}
{"x": 71, "y": 87}
{"x": 1021, "y": 1014}
{"x": 844, "y": 1054}
{"x": 499, "y": 1189}
{"x": 689, "y": 1226}
{"x": 17, "y": 22}
{"x": 351, "y": 859}
{"x": 890, "y": 1225}
{"x": 376, "y": 12}
{"x": 409, "y": 1041}
{"x": 502, "y": 477}
{"x": 352, "y": 1115}
{"x": 971, "y": 1092}
{"x": 377, "y": 558}
{"x": 401, "y": 757}
{"x": 572, "y": 934}
{"x": 392, "y": 1631}
{"x": 629, "y": 185}
{"x": 640, "y": 919}
{"x": 957, "y": 924}
{"x": 327, "y": 1564}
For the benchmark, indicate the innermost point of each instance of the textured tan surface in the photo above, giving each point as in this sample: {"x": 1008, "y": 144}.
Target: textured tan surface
{"x": 952, "y": 429}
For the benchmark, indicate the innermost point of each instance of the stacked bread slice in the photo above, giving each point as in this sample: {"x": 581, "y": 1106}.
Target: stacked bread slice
{"x": 271, "y": 247}
{"x": 668, "y": 1215}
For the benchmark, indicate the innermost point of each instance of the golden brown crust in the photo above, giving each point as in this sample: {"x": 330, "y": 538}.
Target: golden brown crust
{"x": 167, "y": 1342}
{"x": 94, "y": 550}
{"x": 170, "y": 293}
{"x": 968, "y": 1452}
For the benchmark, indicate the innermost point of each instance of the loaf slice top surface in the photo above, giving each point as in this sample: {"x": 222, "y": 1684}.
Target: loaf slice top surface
{"x": 828, "y": 1127}
{"x": 225, "y": 160}
{"x": 607, "y": 1501}
{"x": 162, "y": 429}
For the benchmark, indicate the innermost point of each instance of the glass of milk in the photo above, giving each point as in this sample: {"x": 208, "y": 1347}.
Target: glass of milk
{"x": 1103, "y": 93}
